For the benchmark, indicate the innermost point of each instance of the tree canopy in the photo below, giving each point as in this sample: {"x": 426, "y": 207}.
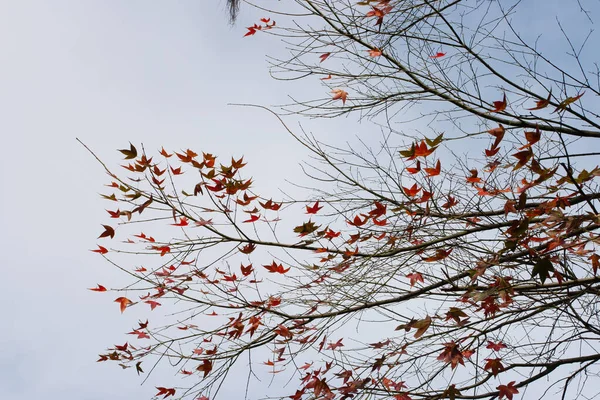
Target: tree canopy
{"x": 455, "y": 258}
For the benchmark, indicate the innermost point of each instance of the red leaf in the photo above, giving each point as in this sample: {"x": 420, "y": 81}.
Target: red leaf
{"x": 153, "y": 304}
{"x": 276, "y": 268}
{"x": 101, "y": 250}
{"x": 183, "y": 221}
{"x": 414, "y": 278}
{"x": 495, "y": 346}
{"x": 438, "y": 55}
{"x": 253, "y": 218}
{"x": 100, "y": 288}
{"x": 314, "y": 209}
{"x": 324, "y": 56}
{"x": 507, "y": 390}
{"x": 500, "y": 106}
{"x": 165, "y": 392}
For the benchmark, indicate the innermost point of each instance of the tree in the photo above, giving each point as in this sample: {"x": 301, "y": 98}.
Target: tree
{"x": 468, "y": 259}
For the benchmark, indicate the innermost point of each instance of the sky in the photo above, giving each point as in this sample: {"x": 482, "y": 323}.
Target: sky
{"x": 158, "y": 73}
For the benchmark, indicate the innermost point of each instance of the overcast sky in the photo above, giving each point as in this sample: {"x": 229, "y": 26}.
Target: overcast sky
{"x": 109, "y": 72}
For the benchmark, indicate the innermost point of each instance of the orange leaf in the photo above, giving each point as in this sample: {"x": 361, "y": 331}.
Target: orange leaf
{"x": 541, "y": 103}
{"x": 568, "y": 101}
{"x": 414, "y": 170}
{"x": 375, "y": 52}
{"x": 434, "y": 171}
{"x": 412, "y": 191}
{"x": 523, "y": 157}
{"x": 124, "y": 302}
{"x": 339, "y": 94}
{"x": 498, "y": 133}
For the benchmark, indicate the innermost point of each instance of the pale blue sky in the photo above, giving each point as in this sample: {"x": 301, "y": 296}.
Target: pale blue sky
{"x": 110, "y": 72}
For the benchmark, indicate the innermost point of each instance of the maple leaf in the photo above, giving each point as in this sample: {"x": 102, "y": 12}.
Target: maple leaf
{"x": 492, "y": 152}
{"x": 153, "y": 304}
{"x": 542, "y": 103}
{"x": 100, "y": 250}
{"x": 507, "y": 391}
{"x": 246, "y": 270}
{"x": 412, "y": 191}
{"x": 523, "y": 157}
{"x": 595, "y": 258}
{"x": 339, "y": 94}
{"x": 314, "y": 209}
{"x": 422, "y": 326}
{"x": 414, "y": 170}
{"x": 100, "y": 288}
{"x": 324, "y": 56}
{"x": 162, "y": 249}
{"x": 498, "y": 133}
{"x": 451, "y": 355}
{"x": 357, "y": 221}
{"x": 414, "y": 278}
{"x": 568, "y": 101}
{"x": 532, "y": 138}
{"x": 183, "y": 221}
{"x": 205, "y": 367}
{"x": 494, "y": 365}
{"x": 130, "y": 153}
{"x": 253, "y": 218}
{"x": 270, "y": 205}
{"x": 251, "y": 30}
{"x": 499, "y": 106}
{"x": 542, "y": 268}
{"x": 326, "y": 78}
{"x": 375, "y": 52}
{"x": 123, "y": 302}
{"x": 452, "y": 201}
{"x": 276, "y": 268}
{"x": 440, "y": 254}
{"x": 451, "y": 392}
{"x": 495, "y": 346}
{"x": 378, "y": 13}
{"x": 434, "y": 171}
{"x": 333, "y": 346}
{"x": 473, "y": 178}
{"x": 418, "y": 150}
{"x": 165, "y": 392}
{"x": 438, "y": 55}
{"x": 248, "y": 248}
{"x": 455, "y": 314}
{"x": 164, "y": 153}
{"x": 306, "y": 228}
{"x": 330, "y": 234}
